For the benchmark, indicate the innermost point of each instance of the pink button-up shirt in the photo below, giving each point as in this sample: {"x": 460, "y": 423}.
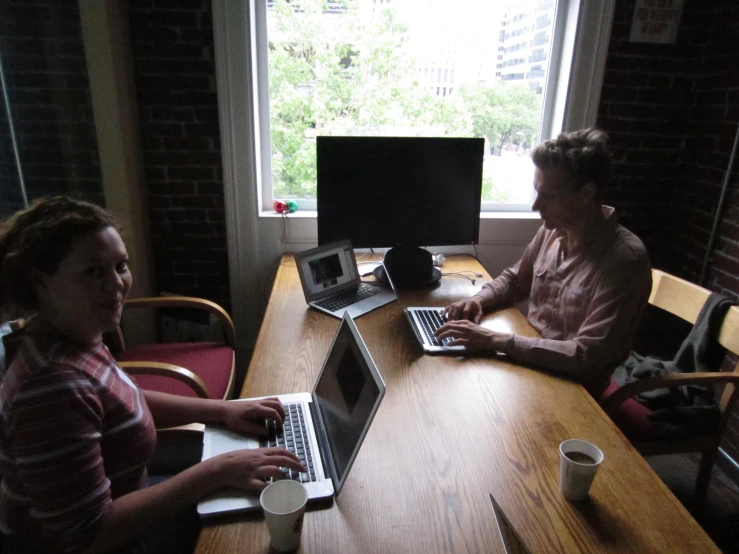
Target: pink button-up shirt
{"x": 586, "y": 307}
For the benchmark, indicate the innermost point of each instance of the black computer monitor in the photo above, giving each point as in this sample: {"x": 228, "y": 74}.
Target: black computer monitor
{"x": 405, "y": 192}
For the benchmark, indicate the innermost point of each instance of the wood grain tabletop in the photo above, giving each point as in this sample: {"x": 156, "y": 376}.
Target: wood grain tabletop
{"x": 450, "y": 432}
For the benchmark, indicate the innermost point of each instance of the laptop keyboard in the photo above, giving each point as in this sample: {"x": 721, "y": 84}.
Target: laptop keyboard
{"x": 294, "y": 437}
{"x": 347, "y": 298}
{"x": 430, "y": 321}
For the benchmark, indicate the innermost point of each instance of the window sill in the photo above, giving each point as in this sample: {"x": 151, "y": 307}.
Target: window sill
{"x": 300, "y": 214}
{"x": 312, "y": 214}
{"x": 510, "y": 215}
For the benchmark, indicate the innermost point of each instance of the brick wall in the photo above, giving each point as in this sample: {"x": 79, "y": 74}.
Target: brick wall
{"x": 46, "y": 74}
{"x": 645, "y": 89}
{"x": 711, "y": 129}
{"x": 172, "y": 42}
{"x": 672, "y": 112}
{"x": 712, "y": 119}
{"x": 174, "y": 68}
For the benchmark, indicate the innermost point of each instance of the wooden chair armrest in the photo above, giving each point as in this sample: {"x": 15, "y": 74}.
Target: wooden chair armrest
{"x": 168, "y": 370}
{"x": 189, "y": 430}
{"x": 188, "y": 302}
{"x": 666, "y": 382}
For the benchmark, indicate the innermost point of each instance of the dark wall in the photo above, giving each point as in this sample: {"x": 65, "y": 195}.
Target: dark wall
{"x": 174, "y": 67}
{"x": 43, "y": 56}
{"x": 712, "y": 118}
{"x": 49, "y": 94}
{"x": 645, "y": 90}
{"x": 672, "y": 112}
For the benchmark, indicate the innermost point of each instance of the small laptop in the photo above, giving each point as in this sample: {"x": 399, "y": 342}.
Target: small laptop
{"x": 324, "y": 428}
{"x": 332, "y": 284}
{"x": 424, "y": 322}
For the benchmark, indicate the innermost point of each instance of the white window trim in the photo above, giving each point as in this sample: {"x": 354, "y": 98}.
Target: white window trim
{"x": 255, "y": 243}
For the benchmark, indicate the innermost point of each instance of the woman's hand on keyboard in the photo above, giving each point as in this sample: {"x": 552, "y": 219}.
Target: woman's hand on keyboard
{"x": 249, "y": 416}
{"x": 249, "y": 469}
{"x": 469, "y": 309}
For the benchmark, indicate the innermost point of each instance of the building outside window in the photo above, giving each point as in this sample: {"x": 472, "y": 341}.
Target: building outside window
{"x": 362, "y": 67}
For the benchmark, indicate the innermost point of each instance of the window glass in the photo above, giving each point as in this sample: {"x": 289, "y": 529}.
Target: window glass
{"x": 375, "y": 68}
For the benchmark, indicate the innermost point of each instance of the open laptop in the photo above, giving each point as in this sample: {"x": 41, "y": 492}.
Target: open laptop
{"x": 324, "y": 428}
{"x": 332, "y": 284}
{"x": 424, "y": 322}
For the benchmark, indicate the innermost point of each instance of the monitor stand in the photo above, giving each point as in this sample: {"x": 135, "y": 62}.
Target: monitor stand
{"x": 410, "y": 267}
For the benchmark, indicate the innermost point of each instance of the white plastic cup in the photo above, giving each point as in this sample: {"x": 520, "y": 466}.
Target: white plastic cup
{"x": 576, "y": 475}
{"x": 283, "y": 503}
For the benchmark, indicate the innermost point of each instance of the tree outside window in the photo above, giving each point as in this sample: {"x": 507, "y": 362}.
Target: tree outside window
{"x": 355, "y": 67}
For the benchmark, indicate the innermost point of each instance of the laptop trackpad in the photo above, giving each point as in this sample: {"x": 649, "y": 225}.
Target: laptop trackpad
{"x": 223, "y": 441}
{"x": 229, "y": 499}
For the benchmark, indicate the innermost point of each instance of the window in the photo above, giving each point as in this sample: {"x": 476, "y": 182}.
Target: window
{"x": 543, "y": 22}
{"x": 541, "y": 38}
{"x": 315, "y": 86}
{"x": 328, "y": 47}
{"x": 539, "y": 55}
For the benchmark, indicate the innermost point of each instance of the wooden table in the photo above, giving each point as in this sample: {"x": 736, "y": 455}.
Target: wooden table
{"x": 449, "y": 432}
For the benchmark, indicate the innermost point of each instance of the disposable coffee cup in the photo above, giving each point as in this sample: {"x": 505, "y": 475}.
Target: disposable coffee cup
{"x": 578, "y": 462}
{"x": 283, "y": 503}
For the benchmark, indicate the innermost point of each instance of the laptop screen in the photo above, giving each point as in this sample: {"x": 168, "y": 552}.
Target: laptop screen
{"x": 347, "y": 394}
{"x": 322, "y": 269}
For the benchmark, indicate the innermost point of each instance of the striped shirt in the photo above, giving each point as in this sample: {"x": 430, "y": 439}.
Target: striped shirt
{"x": 75, "y": 434}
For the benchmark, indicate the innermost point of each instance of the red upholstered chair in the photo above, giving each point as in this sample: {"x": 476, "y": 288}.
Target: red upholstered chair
{"x": 202, "y": 369}
{"x": 685, "y": 300}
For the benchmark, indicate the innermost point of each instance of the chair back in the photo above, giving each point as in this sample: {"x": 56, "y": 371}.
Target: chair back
{"x": 685, "y": 300}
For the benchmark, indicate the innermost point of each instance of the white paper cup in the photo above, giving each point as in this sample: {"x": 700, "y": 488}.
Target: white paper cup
{"x": 283, "y": 503}
{"x": 576, "y": 473}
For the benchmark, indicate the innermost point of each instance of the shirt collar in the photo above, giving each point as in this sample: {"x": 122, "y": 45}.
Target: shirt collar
{"x": 600, "y": 234}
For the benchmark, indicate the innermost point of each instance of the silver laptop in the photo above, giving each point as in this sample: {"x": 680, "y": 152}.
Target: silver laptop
{"x": 424, "y": 322}
{"x": 512, "y": 541}
{"x": 332, "y": 284}
{"x": 324, "y": 428}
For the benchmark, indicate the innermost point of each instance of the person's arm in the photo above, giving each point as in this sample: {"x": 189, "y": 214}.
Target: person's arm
{"x": 169, "y": 410}
{"x": 511, "y": 286}
{"x": 612, "y": 318}
{"x": 610, "y": 322}
{"x": 133, "y": 514}
{"x": 55, "y": 428}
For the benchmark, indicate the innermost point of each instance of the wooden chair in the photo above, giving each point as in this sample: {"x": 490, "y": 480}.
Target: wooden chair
{"x": 202, "y": 369}
{"x": 685, "y": 300}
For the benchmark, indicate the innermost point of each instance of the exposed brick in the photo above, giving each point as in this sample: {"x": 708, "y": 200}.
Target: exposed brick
{"x": 171, "y": 18}
{"x": 621, "y": 94}
{"x": 660, "y": 96}
{"x": 731, "y": 250}
{"x": 728, "y": 282}
{"x": 616, "y": 78}
{"x": 184, "y": 173}
{"x": 194, "y": 158}
{"x": 721, "y": 262}
{"x": 662, "y": 142}
{"x": 186, "y": 143}
{"x": 183, "y": 188}
{"x": 205, "y": 187}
